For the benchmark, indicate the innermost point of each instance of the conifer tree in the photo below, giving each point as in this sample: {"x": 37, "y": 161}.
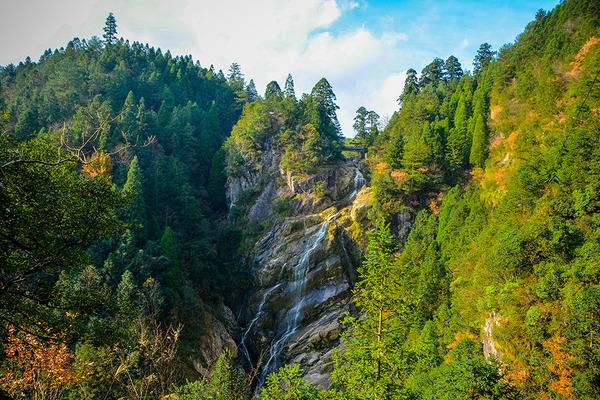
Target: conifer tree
{"x": 288, "y": 90}
{"x": 273, "y": 91}
{"x": 133, "y": 189}
{"x": 128, "y": 120}
{"x": 324, "y": 115}
{"x": 457, "y": 149}
{"x": 110, "y": 29}
{"x": 411, "y": 85}
{"x": 452, "y": 69}
{"x": 432, "y": 73}
{"x": 367, "y": 368}
{"x": 360, "y": 126}
{"x": 483, "y": 57}
{"x": 251, "y": 91}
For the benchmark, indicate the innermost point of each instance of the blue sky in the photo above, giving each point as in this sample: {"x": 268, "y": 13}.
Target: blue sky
{"x": 363, "y": 47}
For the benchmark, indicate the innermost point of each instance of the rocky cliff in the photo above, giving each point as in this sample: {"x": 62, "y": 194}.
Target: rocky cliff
{"x": 303, "y": 264}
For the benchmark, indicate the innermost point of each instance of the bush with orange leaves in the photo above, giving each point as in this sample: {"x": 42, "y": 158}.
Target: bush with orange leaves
{"x": 35, "y": 368}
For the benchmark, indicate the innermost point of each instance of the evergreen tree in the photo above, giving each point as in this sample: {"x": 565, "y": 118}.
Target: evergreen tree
{"x": 452, "y": 69}
{"x": 458, "y": 144}
{"x": 373, "y": 125}
{"x": 484, "y": 56}
{"x": 289, "y": 87}
{"x": 273, "y": 91}
{"x": 367, "y": 367}
{"x": 125, "y": 292}
{"x": 360, "y": 126}
{"x": 227, "y": 381}
{"x": 110, "y": 29}
{"x": 128, "y": 120}
{"x": 251, "y": 90}
{"x": 133, "y": 189}
{"x": 411, "y": 85}
{"x": 324, "y": 115}
{"x": 433, "y": 73}
{"x": 142, "y": 119}
{"x": 235, "y": 80}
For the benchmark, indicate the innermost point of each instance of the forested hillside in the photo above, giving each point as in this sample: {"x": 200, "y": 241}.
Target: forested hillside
{"x": 143, "y": 195}
{"x": 112, "y": 235}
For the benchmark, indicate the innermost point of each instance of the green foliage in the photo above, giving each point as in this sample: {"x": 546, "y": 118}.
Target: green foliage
{"x": 50, "y": 214}
{"x": 288, "y": 384}
{"x": 283, "y": 207}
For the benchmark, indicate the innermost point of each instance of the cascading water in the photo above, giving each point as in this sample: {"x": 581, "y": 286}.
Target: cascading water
{"x": 359, "y": 181}
{"x": 296, "y": 287}
{"x": 259, "y": 312}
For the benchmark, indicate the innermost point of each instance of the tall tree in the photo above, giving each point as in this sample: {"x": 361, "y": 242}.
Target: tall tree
{"x": 484, "y": 56}
{"x": 325, "y": 106}
{"x": 411, "y": 85}
{"x": 458, "y": 145}
{"x": 452, "y": 69}
{"x": 367, "y": 368}
{"x": 288, "y": 90}
{"x": 251, "y": 90}
{"x": 273, "y": 91}
{"x": 133, "y": 189}
{"x": 236, "y": 82}
{"x": 110, "y": 29}
{"x": 360, "y": 125}
{"x": 432, "y": 73}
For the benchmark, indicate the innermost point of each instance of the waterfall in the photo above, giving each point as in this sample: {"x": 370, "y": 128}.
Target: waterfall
{"x": 359, "y": 181}
{"x": 259, "y": 312}
{"x": 296, "y": 287}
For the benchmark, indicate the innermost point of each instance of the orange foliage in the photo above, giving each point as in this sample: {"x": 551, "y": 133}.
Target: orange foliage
{"x": 399, "y": 176}
{"x": 98, "y": 164}
{"x": 42, "y": 368}
{"x": 512, "y": 139}
{"x": 494, "y": 111}
{"x": 500, "y": 176}
{"x": 580, "y": 57}
{"x": 382, "y": 167}
{"x": 560, "y": 366}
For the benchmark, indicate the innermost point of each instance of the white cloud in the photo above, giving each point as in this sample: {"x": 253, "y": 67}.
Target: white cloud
{"x": 465, "y": 43}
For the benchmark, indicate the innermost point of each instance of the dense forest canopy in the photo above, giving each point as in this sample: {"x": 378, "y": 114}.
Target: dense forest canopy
{"x": 120, "y": 252}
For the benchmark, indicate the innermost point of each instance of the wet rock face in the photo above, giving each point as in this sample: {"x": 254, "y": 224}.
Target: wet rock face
{"x": 304, "y": 270}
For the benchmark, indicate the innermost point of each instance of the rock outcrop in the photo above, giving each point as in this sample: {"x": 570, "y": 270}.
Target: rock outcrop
{"x": 303, "y": 265}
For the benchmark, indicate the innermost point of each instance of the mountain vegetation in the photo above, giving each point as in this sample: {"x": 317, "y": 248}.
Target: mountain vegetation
{"x": 119, "y": 255}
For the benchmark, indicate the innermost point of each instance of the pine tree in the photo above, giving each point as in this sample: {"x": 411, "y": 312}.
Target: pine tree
{"x": 125, "y": 292}
{"x": 227, "y": 381}
{"x": 367, "y": 368}
{"x": 452, "y": 69}
{"x": 236, "y": 82}
{"x": 373, "y": 125}
{"x": 360, "y": 127}
{"x": 411, "y": 85}
{"x": 273, "y": 91}
{"x": 288, "y": 90}
{"x": 110, "y": 29}
{"x": 142, "y": 119}
{"x": 324, "y": 112}
{"x": 432, "y": 73}
{"x": 251, "y": 91}
{"x": 484, "y": 56}
{"x": 458, "y": 146}
{"x": 133, "y": 189}
{"x": 128, "y": 122}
